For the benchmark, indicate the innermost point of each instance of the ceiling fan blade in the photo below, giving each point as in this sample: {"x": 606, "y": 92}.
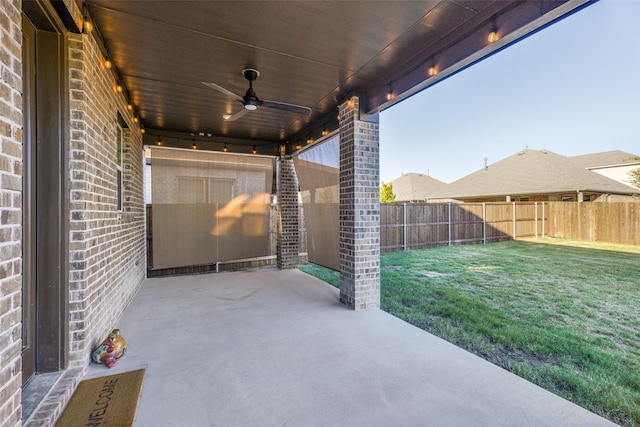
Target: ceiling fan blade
{"x": 298, "y": 109}
{"x": 223, "y": 90}
{"x": 235, "y": 116}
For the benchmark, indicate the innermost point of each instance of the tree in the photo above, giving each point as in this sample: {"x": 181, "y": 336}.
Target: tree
{"x": 386, "y": 193}
{"x": 635, "y": 175}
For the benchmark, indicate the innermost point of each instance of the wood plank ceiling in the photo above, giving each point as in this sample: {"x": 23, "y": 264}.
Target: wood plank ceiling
{"x": 308, "y": 53}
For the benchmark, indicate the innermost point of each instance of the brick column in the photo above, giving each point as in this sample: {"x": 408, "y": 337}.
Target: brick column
{"x": 359, "y": 208}
{"x": 288, "y": 242}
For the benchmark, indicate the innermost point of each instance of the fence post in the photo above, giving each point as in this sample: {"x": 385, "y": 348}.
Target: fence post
{"x": 449, "y": 222}
{"x": 542, "y": 219}
{"x": 535, "y": 204}
{"x": 484, "y": 223}
{"x": 514, "y": 220}
{"x": 404, "y": 226}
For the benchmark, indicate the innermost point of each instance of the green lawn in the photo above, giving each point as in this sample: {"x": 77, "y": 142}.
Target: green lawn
{"x": 563, "y": 316}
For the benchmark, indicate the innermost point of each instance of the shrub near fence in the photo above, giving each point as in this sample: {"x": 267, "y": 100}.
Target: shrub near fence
{"x": 406, "y": 226}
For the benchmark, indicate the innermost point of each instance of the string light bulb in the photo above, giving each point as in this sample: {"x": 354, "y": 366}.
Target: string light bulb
{"x": 493, "y": 35}
{"x": 309, "y": 140}
{"x": 225, "y": 149}
{"x": 159, "y": 142}
{"x": 432, "y": 71}
{"x": 130, "y": 107}
{"x": 298, "y": 146}
{"x": 107, "y": 63}
{"x": 194, "y": 146}
{"x": 325, "y": 132}
{"x": 87, "y": 25}
{"x": 390, "y": 93}
{"x": 119, "y": 87}
{"x": 254, "y": 151}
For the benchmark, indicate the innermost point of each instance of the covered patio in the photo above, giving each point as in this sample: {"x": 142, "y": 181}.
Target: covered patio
{"x": 273, "y": 348}
{"x": 100, "y": 81}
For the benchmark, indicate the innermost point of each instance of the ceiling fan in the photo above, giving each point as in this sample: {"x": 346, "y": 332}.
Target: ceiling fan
{"x": 250, "y": 100}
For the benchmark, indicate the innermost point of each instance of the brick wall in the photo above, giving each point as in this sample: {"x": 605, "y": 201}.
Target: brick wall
{"x": 10, "y": 212}
{"x": 107, "y": 246}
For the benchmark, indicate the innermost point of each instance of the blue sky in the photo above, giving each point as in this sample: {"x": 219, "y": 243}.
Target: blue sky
{"x": 572, "y": 88}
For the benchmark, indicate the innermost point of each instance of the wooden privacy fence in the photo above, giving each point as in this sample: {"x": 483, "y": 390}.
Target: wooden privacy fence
{"x": 406, "y": 226}
{"x": 613, "y": 222}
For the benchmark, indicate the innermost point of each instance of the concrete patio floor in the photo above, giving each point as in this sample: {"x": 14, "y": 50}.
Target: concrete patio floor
{"x": 276, "y": 348}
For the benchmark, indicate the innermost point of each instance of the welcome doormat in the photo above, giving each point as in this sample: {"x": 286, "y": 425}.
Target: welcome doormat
{"x": 104, "y": 401}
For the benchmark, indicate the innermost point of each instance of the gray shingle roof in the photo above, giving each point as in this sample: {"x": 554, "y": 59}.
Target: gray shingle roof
{"x": 532, "y": 172}
{"x": 415, "y": 186}
{"x": 604, "y": 159}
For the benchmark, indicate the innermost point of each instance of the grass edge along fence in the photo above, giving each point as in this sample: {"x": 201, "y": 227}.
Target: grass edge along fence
{"x": 405, "y": 226}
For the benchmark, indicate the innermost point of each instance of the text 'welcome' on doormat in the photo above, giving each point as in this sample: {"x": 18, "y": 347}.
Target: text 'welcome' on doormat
{"x": 104, "y": 401}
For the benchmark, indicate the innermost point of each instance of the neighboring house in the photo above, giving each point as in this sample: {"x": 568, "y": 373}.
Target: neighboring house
{"x": 613, "y": 164}
{"x": 535, "y": 176}
{"x": 414, "y": 187}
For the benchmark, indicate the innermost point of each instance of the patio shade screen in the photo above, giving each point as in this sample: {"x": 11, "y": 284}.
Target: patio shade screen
{"x": 318, "y": 171}
{"x": 208, "y": 207}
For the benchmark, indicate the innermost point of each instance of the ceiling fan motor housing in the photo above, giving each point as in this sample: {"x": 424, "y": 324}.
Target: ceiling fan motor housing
{"x": 251, "y": 101}
{"x": 250, "y": 74}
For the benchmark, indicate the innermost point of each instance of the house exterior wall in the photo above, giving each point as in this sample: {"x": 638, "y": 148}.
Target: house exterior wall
{"x": 555, "y": 197}
{"x": 10, "y": 212}
{"x": 617, "y": 173}
{"x": 106, "y": 245}
{"x": 614, "y": 198}
{"x": 524, "y": 198}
